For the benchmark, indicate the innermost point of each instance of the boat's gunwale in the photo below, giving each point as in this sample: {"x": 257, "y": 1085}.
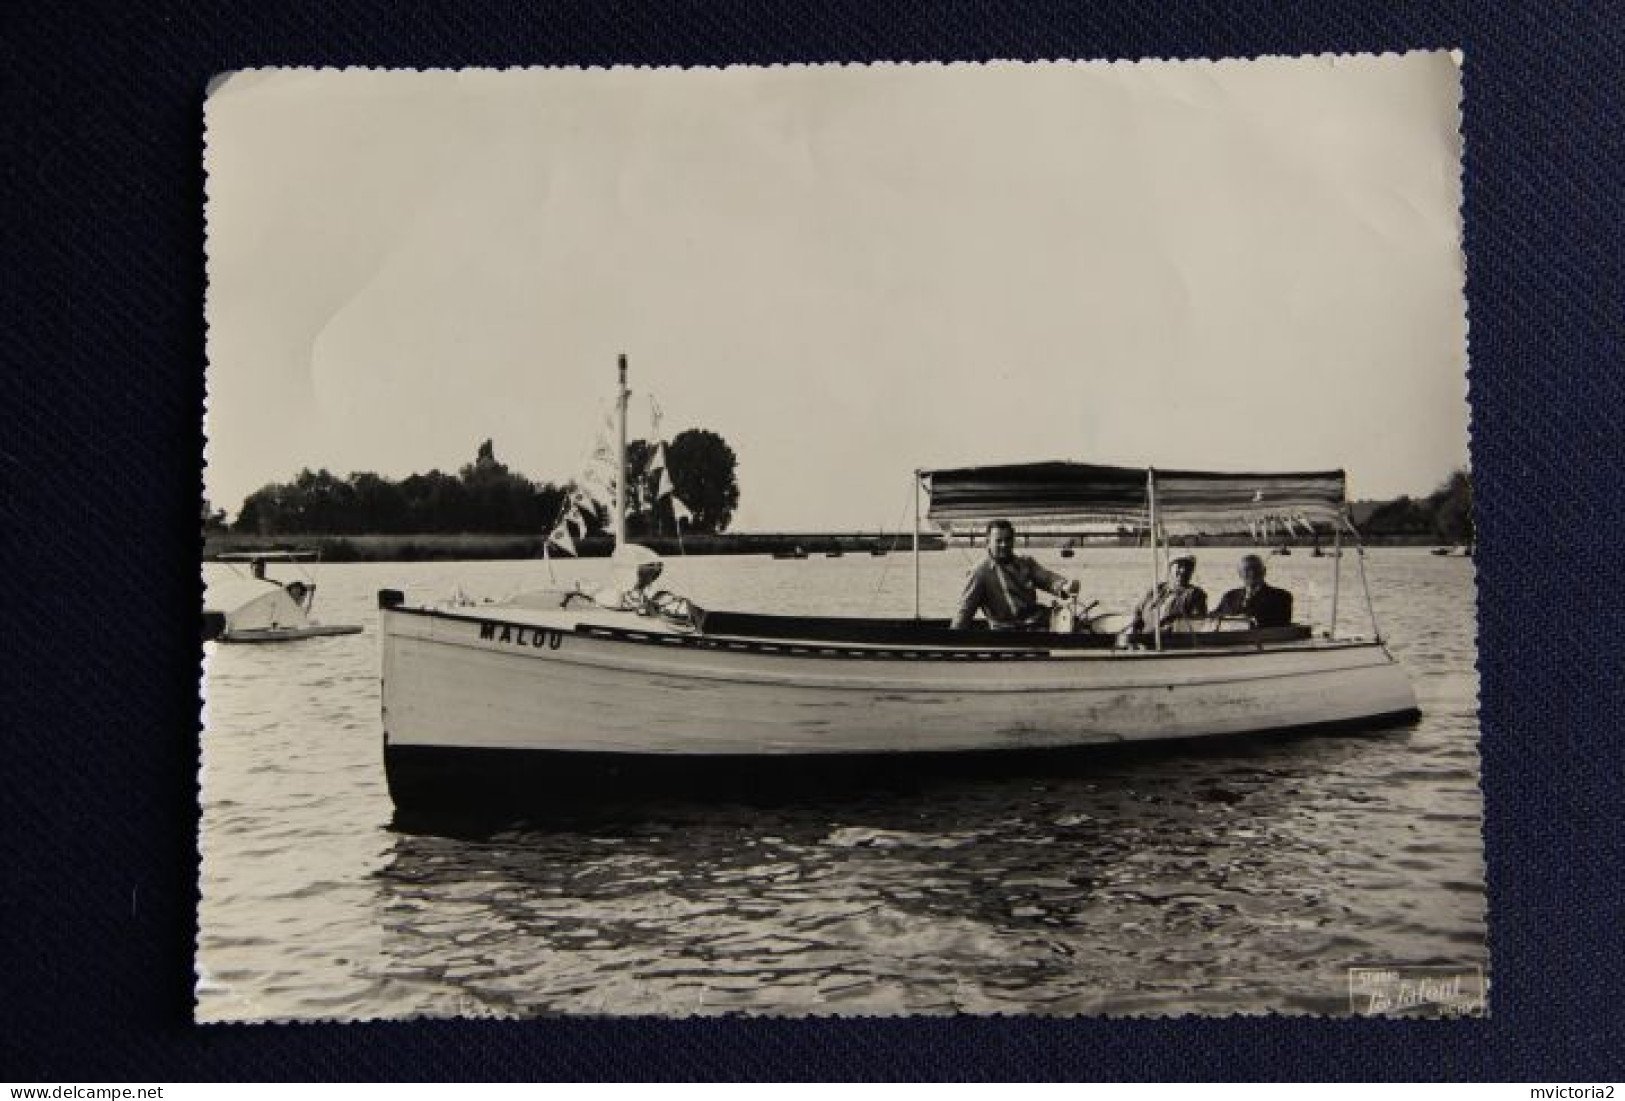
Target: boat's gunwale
{"x": 825, "y": 649}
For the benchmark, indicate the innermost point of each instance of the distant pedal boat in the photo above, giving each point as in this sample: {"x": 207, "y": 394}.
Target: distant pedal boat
{"x": 548, "y": 697}
{"x": 253, "y": 607}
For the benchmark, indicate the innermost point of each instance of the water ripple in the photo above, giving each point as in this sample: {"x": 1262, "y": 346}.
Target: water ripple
{"x": 1242, "y": 876}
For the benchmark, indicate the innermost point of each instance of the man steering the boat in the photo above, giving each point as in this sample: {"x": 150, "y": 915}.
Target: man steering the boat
{"x": 1004, "y": 586}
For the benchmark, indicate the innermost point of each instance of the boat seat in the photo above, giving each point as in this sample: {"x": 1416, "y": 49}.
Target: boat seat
{"x": 897, "y": 632}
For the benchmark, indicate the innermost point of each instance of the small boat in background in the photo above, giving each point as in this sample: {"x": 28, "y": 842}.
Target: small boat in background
{"x": 794, "y": 552}
{"x": 254, "y": 607}
{"x": 1440, "y": 552}
{"x": 1282, "y": 550}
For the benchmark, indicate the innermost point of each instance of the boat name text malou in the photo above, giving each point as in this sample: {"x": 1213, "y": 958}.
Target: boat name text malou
{"x": 521, "y": 635}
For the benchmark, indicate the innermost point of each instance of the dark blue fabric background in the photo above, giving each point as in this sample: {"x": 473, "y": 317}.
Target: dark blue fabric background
{"x": 103, "y": 353}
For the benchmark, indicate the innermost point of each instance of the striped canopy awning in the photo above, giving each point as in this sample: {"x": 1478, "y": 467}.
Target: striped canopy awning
{"x": 1071, "y": 497}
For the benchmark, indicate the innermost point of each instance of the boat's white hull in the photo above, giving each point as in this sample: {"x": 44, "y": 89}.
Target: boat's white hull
{"x": 503, "y": 682}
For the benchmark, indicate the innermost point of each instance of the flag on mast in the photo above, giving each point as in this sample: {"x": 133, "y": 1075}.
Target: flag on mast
{"x": 573, "y": 518}
{"x": 562, "y": 539}
{"x": 657, "y": 469}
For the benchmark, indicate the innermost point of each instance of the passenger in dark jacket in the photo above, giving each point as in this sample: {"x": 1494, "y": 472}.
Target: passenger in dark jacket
{"x": 1263, "y": 604}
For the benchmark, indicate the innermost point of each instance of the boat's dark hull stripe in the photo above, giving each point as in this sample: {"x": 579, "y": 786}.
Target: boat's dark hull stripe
{"x": 430, "y": 778}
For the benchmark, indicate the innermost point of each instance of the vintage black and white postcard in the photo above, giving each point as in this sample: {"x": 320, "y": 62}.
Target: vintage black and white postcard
{"x": 856, "y": 540}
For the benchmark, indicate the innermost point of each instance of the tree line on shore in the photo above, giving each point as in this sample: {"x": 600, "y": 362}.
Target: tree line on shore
{"x": 487, "y": 496}
{"x": 1445, "y": 515}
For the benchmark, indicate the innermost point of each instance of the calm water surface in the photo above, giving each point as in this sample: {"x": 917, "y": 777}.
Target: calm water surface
{"x": 1242, "y": 876}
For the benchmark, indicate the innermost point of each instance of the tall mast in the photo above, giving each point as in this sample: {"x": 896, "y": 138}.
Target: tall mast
{"x": 917, "y": 476}
{"x": 622, "y": 396}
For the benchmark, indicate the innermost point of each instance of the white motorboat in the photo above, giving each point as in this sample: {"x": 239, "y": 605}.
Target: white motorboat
{"x": 562, "y": 696}
{"x": 252, "y": 606}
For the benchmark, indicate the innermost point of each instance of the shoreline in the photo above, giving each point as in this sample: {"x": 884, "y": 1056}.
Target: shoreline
{"x": 469, "y": 547}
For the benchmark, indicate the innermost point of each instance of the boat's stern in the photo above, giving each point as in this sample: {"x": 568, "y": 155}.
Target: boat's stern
{"x": 1398, "y": 703}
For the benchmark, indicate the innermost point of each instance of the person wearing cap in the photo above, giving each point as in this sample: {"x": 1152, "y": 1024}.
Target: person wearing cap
{"x": 1004, "y": 586}
{"x": 1263, "y": 605}
{"x": 1173, "y": 599}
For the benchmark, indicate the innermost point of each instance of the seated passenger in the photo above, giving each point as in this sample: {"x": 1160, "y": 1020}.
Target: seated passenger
{"x": 1263, "y": 605}
{"x": 635, "y": 569}
{"x": 1171, "y": 600}
{"x": 1004, "y": 586}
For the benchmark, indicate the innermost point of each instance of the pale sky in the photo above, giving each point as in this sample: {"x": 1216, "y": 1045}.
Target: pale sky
{"x": 847, "y": 272}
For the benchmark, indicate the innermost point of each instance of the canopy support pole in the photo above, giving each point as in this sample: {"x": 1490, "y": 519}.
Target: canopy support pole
{"x": 916, "y": 544}
{"x": 1370, "y": 608}
{"x": 1337, "y": 574}
{"x": 1151, "y": 518}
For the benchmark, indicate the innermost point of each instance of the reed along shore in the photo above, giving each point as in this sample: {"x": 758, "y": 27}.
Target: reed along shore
{"x": 469, "y": 547}
{"x": 475, "y": 546}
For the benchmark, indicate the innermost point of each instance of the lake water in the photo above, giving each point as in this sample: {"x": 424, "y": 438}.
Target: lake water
{"x": 1241, "y": 876}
